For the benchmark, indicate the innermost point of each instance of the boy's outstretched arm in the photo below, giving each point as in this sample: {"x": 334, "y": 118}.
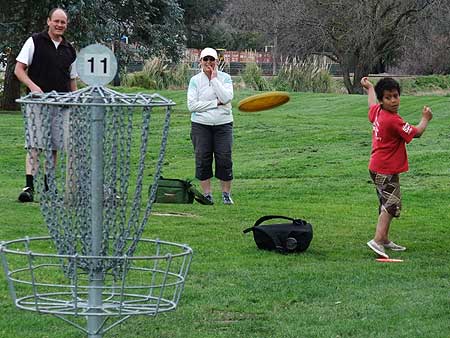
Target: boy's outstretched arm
{"x": 427, "y": 115}
{"x": 368, "y": 86}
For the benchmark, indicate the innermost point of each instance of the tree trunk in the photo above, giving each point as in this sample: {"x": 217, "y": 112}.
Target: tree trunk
{"x": 359, "y": 74}
{"x": 354, "y": 87}
{"x": 11, "y": 89}
{"x": 361, "y": 70}
{"x": 346, "y": 76}
{"x": 347, "y": 82}
{"x": 275, "y": 53}
{"x": 117, "y": 53}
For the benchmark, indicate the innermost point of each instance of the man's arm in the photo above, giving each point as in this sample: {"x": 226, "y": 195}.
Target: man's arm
{"x": 73, "y": 77}
{"x": 73, "y": 85}
{"x": 21, "y": 72}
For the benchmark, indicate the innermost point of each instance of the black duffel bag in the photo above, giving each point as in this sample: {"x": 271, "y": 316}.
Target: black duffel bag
{"x": 283, "y": 237}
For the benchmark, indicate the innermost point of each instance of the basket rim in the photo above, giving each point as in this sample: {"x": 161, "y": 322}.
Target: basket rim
{"x": 4, "y": 249}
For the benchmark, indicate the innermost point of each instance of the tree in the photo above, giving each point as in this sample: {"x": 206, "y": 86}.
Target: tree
{"x": 359, "y": 35}
{"x": 154, "y": 25}
{"x": 428, "y": 43}
{"x": 275, "y": 19}
{"x": 15, "y": 27}
{"x": 200, "y": 18}
{"x": 206, "y": 26}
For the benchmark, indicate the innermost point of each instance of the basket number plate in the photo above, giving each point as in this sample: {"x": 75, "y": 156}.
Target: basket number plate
{"x": 96, "y": 65}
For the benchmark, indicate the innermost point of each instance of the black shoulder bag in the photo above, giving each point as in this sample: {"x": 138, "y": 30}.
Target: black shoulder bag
{"x": 282, "y": 237}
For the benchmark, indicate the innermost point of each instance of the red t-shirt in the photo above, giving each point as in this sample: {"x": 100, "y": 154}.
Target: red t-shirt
{"x": 389, "y": 137}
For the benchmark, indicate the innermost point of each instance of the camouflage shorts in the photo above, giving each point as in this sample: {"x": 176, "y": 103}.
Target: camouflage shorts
{"x": 388, "y": 191}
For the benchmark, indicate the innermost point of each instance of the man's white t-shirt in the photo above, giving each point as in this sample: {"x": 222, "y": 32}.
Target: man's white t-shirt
{"x": 26, "y": 56}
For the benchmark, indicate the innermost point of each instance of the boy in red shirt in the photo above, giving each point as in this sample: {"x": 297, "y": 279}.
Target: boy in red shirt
{"x": 388, "y": 157}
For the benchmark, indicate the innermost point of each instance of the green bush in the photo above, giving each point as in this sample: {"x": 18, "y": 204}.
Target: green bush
{"x": 425, "y": 84}
{"x": 309, "y": 75}
{"x": 253, "y": 78}
{"x": 432, "y": 81}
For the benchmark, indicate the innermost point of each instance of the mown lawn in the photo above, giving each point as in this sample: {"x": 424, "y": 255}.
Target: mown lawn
{"x": 307, "y": 159}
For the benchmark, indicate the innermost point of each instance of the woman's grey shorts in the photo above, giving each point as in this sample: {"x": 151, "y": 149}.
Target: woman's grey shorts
{"x": 213, "y": 142}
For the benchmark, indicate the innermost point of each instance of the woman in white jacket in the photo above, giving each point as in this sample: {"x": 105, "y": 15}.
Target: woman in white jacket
{"x": 209, "y": 100}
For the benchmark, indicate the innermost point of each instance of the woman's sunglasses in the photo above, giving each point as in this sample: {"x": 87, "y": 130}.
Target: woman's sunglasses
{"x": 208, "y": 58}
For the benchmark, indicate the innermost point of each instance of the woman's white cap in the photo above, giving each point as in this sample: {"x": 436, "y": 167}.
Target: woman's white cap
{"x": 208, "y": 52}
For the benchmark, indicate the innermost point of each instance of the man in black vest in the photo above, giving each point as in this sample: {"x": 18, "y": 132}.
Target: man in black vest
{"x": 46, "y": 63}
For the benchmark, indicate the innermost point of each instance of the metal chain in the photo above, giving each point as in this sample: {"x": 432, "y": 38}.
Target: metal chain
{"x": 153, "y": 187}
{"x": 66, "y": 203}
{"x": 135, "y": 208}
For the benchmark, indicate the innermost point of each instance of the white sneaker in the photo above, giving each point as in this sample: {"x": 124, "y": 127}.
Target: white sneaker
{"x": 226, "y": 197}
{"x": 377, "y": 248}
{"x": 394, "y": 247}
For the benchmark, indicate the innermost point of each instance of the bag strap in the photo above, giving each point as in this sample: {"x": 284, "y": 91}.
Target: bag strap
{"x": 266, "y": 218}
{"x": 198, "y": 196}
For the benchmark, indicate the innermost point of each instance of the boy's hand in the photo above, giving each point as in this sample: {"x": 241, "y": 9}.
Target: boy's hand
{"x": 368, "y": 87}
{"x": 366, "y": 83}
{"x": 427, "y": 113}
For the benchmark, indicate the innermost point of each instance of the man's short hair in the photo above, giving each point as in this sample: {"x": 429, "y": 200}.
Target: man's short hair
{"x": 388, "y": 84}
{"x": 50, "y": 14}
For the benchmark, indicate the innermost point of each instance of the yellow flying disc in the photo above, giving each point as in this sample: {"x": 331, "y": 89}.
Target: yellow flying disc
{"x": 263, "y": 101}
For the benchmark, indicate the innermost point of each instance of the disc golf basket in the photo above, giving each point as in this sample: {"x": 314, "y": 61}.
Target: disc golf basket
{"x": 95, "y": 266}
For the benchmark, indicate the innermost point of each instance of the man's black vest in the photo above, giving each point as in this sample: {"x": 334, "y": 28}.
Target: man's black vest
{"x": 50, "y": 68}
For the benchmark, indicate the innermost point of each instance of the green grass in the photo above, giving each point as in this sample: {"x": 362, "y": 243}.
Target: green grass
{"x": 306, "y": 159}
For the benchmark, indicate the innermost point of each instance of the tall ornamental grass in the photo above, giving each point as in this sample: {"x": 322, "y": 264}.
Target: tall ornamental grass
{"x": 253, "y": 78}
{"x": 159, "y": 74}
{"x": 307, "y": 75}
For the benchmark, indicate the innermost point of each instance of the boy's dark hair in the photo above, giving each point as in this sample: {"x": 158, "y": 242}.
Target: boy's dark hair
{"x": 386, "y": 83}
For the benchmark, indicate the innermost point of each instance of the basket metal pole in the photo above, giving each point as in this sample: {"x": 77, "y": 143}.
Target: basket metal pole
{"x": 95, "y": 323}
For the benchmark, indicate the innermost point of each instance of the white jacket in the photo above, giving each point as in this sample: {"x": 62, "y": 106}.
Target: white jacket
{"x": 202, "y": 97}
